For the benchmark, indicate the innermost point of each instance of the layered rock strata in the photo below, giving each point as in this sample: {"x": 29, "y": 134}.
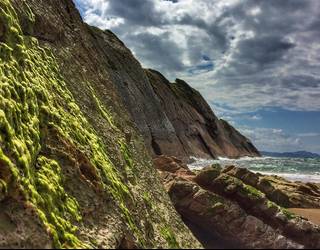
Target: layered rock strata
{"x": 217, "y": 204}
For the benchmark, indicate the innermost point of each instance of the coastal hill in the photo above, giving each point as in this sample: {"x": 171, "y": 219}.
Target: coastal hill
{"x": 82, "y": 126}
{"x": 298, "y": 154}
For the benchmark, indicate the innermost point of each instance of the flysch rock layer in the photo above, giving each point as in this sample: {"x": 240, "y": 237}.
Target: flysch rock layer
{"x": 224, "y": 211}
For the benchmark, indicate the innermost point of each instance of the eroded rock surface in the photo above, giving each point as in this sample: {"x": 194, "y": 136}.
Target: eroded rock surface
{"x": 74, "y": 170}
{"x": 235, "y": 212}
{"x": 199, "y": 131}
{"x": 279, "y": 190}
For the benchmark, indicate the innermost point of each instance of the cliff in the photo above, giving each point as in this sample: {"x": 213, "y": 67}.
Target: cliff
{"x": 80, "y": 121}
{"x": 200, "y": 133}
{"x": 173, "y": 118}
{"x": 74, "y": 171}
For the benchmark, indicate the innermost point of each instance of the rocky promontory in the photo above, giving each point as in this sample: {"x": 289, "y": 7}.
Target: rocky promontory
{"x": 198, "y": 130}
{"x": 173, "y": 118}
{"x": 232, "y": 207}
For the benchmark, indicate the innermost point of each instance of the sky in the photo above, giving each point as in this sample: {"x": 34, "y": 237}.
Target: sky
{"x": 256, "y": 62}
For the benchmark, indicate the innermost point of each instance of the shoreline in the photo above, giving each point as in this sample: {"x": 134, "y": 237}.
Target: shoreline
{"x": 313, "y": 215}
{"x": 250, "y": 164}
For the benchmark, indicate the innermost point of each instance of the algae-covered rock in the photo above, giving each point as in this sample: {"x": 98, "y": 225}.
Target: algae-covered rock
{"x": 206, "y": 176}
{"x": 225, "y": 221}
{"x": 74, "y": 172}
{"x": 224, "y": 210}
{"x": 281, "y": 191}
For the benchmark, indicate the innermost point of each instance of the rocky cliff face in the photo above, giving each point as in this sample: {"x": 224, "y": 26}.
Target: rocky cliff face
{"x": 74, "y": 172}
{"x": 173, "y": 118}
{"x": 200, "y": 133}
{"x": 78, "y": 115}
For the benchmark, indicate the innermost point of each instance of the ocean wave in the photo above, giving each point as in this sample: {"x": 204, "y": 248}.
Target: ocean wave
{"x": 315, "y": 178}
{"x": 294, "y": 169}
{"x": 245, "y": 158}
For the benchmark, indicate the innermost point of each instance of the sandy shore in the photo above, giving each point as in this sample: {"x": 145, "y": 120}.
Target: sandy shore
{"x": 312, "y": 214}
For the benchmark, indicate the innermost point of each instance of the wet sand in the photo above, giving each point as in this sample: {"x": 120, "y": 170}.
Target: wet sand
{"x": 311, "y": 214}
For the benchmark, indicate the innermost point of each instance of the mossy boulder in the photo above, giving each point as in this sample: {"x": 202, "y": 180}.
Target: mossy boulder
{"x": 265, "y": 186}
{"x": 207, "y": 175}
{"x": 243, "y": 174}
{"x": 279, "y": 190}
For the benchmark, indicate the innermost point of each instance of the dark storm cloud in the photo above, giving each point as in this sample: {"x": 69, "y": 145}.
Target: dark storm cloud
{"x": 138, "y": 12}
{"x": 167, "y": 56}
{"x": 261, "y": 49}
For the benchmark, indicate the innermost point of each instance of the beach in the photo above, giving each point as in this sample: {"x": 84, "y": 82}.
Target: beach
{"x": 312, "y": 215}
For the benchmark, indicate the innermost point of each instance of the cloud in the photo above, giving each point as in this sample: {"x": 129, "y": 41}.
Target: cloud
{"x": 273, "y": 139}
{"x": 244, "y": 53}
{"x": 309, "y": 134}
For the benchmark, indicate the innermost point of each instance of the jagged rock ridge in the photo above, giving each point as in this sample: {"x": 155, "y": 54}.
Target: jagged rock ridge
{"x": 198, "y": 130}
{"x": 173, "y": 118}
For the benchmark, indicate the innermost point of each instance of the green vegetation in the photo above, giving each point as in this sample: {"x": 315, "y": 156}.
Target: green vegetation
{"x": 33, "y": 96}
{"x": 253, "y": 192}
{"x": 170, "y": 238}
{"x": 54, "y": 205}
{"x": 147, "y": 200}
{"x": 3, "y": 189}
{"x": 288, "y": 214}
{"x": 272, "y": 205}
{"x": 105, "y": 113}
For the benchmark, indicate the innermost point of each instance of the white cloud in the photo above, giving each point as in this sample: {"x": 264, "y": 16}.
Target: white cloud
{"x": 273, "y": 139}
{"x": 309, "y": 135}
{"x": 254, "y": 61}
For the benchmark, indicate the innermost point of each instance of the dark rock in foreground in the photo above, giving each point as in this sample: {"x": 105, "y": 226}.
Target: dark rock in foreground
{"x": 225, "y": 204}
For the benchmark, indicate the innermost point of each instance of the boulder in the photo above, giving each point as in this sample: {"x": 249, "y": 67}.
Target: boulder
{"x": 208, "y": 175}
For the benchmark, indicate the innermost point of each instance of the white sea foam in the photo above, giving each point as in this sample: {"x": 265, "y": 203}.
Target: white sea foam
{"x": 294, "y": 169}
{"x": 295, "y": 177}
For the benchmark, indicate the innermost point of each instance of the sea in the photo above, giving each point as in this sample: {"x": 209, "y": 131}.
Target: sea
{"x": 294, "y": 169}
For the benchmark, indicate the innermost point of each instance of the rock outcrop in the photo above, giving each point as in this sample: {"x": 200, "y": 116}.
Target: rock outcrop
{"x": 174, "y": 119}
{"x": 74, "y": 171}
{"x": 279, "y": 190}
{"x": 217, "y": 204}
{"x": 200, "y": 133}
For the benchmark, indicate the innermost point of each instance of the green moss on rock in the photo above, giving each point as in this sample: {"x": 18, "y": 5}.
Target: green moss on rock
{"x": 33, "y": 95}
{"x": 170, "y": 238}
{"x": 288, "y": 214}
{"x": 253, "y": 192}
{"x": 54, "y": 205}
